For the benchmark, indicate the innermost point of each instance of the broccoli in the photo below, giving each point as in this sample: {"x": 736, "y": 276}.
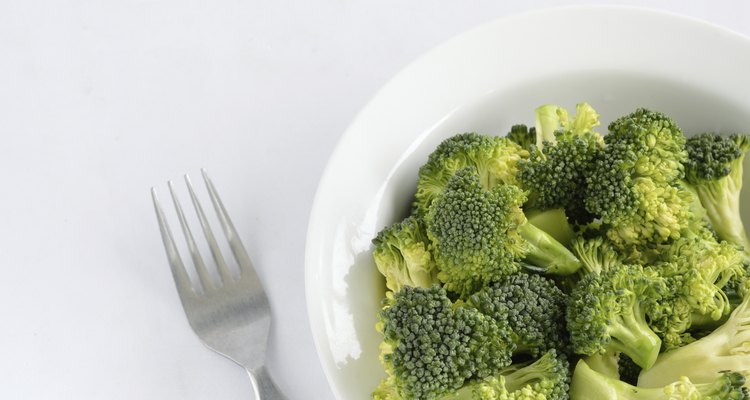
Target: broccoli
{"x": 634, "y": 185}
{"x": 698, "y": 270}
{"x": 547, "y": 378}
{"x": 606, "y": 363}
{"x": 588, "y": 384}
{"x": 555, "y": 173}
{"x": 596, "y": 254}
{"x": 478, "y": 235}
{"x": 494, "y": 158}
{"x": 552, "y": 119}
{"x": 401, "y": 255}
{"x": 726, "y": 348}
{"x": 533, "y": 307}
{"x": 432, "y": 346}
{"x": 606, "y": 313}
{"x": 522, "y": 135}
{"x": 657, "y": 140}
{"x": 714, "y": 168}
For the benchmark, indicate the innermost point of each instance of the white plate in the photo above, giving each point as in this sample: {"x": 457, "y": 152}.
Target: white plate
{"x": 486, "y": 80}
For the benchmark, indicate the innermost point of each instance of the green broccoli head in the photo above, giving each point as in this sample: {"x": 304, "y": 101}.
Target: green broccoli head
{"x": 627, "y": 190}
{"x": 597, "y": 254}
{"x": 474, "y": 232}
{"x": 401, "y": 255}
{"x": 494, "y": 159}
{"x": 555, "y": 171}
{"x": 532, "y": 306}
{"x": 546, "y": 378}
{"x": 698, "y": 270}
{"x": 714, "y": 169}
{"x": 588, "y": 384}
{"x": 654, "y": 136}
{"x": 556, "y": 176}
{"x": 714, "y": 264}
{"x": 726, "y": 348}
{"x": 522, "y": 135}
{"x": 479, "y": 235}
{"x": 606, "y": 313}
{"x": 431, "y": 346}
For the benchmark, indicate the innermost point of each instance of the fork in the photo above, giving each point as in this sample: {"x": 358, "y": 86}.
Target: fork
{"x": 230, "y": 314}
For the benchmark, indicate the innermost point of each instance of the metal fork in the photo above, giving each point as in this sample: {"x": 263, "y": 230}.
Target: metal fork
{"x": 231, "y": 314}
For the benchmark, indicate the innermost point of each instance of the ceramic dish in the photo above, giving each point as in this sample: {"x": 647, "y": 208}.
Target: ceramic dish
{"x": 486, "y": 80}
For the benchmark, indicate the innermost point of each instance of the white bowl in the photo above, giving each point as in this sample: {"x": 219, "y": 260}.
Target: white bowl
{"x": 485, "y": 80}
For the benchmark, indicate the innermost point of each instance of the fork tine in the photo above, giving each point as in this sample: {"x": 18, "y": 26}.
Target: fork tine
{"x": 240, "y": 254}
{"x": 221, "y": 264}
{"x": 200, "y": 266}
{"x": 184, "y": 286}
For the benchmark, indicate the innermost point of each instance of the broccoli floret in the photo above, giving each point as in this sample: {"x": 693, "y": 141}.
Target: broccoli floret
{"x": 478, "y": 235}
{"x": 588, "y": 384}
{"x": 714, "y": 168}
{"x": 635, "y": 183}
{"x": 402, "y": 256}
{"x": 555, "y": 173}
{"x": 533, "y": 307}
{"x": 626, "y": 189}
{"x": 547, "y": 378}
{"x": 522, "y": 135}
{"x": 597, "y": 254}
{"x": 552, "y": 120}
{"x": 698, "y": 270}
{"x": 606, "y": 313}
{"x": 658, "y": 141}
{"x": 432, "y": 346}
{"x": 494, "y": 159}
{"x": 726, "y": 348}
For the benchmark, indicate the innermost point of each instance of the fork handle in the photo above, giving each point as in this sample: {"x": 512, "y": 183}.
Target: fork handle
{"x": 263, "y": 385}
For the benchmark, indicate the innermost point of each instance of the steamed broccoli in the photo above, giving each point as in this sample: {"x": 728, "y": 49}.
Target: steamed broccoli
{"x": 555, "y": 172}
{"x": 478, "y": 235}
{"x": 714, "y": 168}
{"x": 726, "y": 348}
{"x": 552, "y": 120}
{"x": 606, "y": 313}
{"x": 597, "y": 254}
{"x": 432, "y": 346}
{"x": 533, "y": 307}
{"x": 494, "y": 159}
{"x": 401, "y": 255}
{"x": 522, "y": 135}
{"x": 697, "y": 270}
{"x": 634, "y": 185}
{"x": 588, "y": 384}
{"x": 546, "y": 378}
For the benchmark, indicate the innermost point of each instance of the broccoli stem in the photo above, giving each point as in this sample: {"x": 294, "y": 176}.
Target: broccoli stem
{"x": 721, "y": 199}
{"x": 724, "y": 349}
{"x": 588, "y": 384}
{"x": 547, "y": 253}
{"x": 605, "y": 364}
{"x": 553, "y": 221}
{"x": 522, "y": 377}
{"x": 632, "y": 335}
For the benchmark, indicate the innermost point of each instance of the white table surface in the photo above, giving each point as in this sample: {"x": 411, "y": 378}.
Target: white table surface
{"x": 99, "y": 101}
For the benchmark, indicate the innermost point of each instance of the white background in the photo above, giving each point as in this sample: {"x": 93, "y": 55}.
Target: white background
{"x": 99, "y": 101}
